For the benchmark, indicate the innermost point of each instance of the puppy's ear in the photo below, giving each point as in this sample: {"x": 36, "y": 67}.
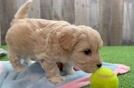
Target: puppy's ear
{"x": 68, "y": 38}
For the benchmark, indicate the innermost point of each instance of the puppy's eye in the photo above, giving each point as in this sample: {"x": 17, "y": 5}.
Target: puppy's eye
{"x": 87, "y": 52}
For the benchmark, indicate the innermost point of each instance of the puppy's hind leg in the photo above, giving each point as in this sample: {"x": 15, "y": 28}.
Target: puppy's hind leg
{"x": 15, "y": 61}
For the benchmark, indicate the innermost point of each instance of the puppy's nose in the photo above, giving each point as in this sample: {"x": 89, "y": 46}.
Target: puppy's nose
{"x": 99, "y": 65}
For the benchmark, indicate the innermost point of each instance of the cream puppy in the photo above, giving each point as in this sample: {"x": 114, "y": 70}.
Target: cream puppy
{"x": 50, "y": 42}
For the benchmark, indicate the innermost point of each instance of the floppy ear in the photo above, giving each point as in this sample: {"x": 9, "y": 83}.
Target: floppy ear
{"x": 67, "y": 39}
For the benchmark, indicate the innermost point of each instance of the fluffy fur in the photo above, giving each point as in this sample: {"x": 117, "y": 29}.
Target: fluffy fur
{"x": 50, "y": 42}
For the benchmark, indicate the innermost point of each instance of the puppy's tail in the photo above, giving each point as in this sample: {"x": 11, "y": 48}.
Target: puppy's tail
{"x": 23, "y": 11}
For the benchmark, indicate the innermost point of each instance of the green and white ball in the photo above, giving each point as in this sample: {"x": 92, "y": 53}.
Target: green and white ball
{"x": 104, "y": 78}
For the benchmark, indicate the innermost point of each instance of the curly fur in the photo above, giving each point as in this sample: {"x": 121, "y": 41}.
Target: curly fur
{"x": 49, "y": 42}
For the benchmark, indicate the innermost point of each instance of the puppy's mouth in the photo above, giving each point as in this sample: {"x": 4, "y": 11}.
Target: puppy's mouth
{"x": 78, "y": 67}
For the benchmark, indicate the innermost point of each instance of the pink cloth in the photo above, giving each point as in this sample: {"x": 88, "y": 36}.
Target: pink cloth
{"x": 77, "y": 83}
{"x": 122, "y": 69}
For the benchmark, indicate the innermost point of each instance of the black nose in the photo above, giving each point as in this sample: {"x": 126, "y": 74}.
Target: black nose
{"x": 99, "y": 65}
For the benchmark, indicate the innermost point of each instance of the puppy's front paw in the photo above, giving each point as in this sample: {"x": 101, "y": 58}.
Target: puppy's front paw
{"x": 56, "y": 79}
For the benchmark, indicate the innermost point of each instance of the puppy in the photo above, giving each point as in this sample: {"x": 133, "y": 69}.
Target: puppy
{"x": 50, "y": 42}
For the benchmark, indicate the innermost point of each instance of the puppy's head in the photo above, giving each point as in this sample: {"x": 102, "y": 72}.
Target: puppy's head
{"x": 83, "y": 43}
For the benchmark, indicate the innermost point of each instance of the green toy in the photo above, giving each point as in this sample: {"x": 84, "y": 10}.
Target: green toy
{"x": 104, "y": 78}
